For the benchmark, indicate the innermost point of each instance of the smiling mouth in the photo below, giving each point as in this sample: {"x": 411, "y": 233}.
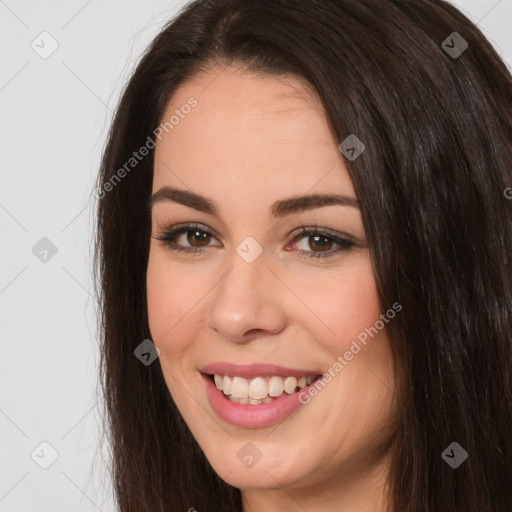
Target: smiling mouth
{"x": 259, "y": 390}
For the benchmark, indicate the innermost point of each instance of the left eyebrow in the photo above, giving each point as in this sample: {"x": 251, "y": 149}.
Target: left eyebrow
{"x": 279, "y": 208}
{"x": 297, "y": 204}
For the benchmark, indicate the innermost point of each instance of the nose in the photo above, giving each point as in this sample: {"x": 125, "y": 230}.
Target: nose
{"x": 247, "y": 302}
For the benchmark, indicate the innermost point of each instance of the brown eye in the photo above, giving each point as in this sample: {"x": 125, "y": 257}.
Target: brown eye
{"x": 198, "y": 238}
{"x": 322, "y": 243}
{"x": 191, "y": 239}
{"x": 313, "y": 243}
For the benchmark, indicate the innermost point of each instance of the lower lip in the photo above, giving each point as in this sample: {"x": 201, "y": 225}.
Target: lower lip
{"x": 251, "y": 416}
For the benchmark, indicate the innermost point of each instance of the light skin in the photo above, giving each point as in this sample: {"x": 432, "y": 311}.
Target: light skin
{"x": 249, "y": 142}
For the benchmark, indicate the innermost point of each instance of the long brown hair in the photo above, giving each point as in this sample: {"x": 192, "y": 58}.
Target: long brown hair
{"x": 435, "y": 116}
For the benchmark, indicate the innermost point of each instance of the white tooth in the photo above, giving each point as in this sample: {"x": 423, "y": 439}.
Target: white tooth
{"x": 309, "y": 380}
{"x": 231, "y": 398}
{"x": 290, "y": 383}
{"x": 239, "y": 387}
{"x": 302, "y": 382}
{"x": 258, "y": 388}
{"x": 267, "y": 400}
{"x": 226, "y": 385}
{"x": 252, "y": 401}
{"x": 275, "y": 386}
{"x": 218, "y": 381}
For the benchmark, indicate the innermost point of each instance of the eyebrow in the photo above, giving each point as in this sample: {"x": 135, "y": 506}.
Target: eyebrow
{"x": 279, "y": 208}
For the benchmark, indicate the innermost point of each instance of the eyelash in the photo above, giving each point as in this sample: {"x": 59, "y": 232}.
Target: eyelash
{"x": 169, "y": 234}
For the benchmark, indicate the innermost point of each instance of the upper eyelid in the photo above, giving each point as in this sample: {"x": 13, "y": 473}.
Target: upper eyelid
{"x": 183, "y": 228}
{"x": 304, "y": 230}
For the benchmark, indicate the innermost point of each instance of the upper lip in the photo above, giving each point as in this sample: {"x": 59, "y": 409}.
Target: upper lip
{"x": 255, "y": 370}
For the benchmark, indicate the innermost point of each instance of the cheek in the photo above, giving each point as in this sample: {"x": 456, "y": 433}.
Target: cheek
{"x": 345, "y": 302}
{"x": 159, "y": 297}
{"x": 170, "y": 296}
{"x": 170, "y": 300}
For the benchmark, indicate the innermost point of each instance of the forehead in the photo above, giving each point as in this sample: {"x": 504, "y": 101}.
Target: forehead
{"x": 249, "y": 134}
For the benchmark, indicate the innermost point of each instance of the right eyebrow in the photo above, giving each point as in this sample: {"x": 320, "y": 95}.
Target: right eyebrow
{"x": 185, "y": 198}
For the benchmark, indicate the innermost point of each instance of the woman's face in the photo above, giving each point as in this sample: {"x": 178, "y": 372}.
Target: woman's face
{"x": 257, "y": 302}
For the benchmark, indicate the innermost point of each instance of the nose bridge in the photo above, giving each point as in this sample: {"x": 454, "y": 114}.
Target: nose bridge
{"x": 245, "y": 300}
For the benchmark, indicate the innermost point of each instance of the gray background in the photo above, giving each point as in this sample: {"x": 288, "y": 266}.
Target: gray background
{"x": 54, "y": 115}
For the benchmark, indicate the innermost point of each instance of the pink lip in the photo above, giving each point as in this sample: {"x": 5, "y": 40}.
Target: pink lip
{"x": 249, "y": 371}
{"x": 251, "y": 416}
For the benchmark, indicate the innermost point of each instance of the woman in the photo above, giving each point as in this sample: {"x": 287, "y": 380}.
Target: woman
{"x": 304, "y": 257}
